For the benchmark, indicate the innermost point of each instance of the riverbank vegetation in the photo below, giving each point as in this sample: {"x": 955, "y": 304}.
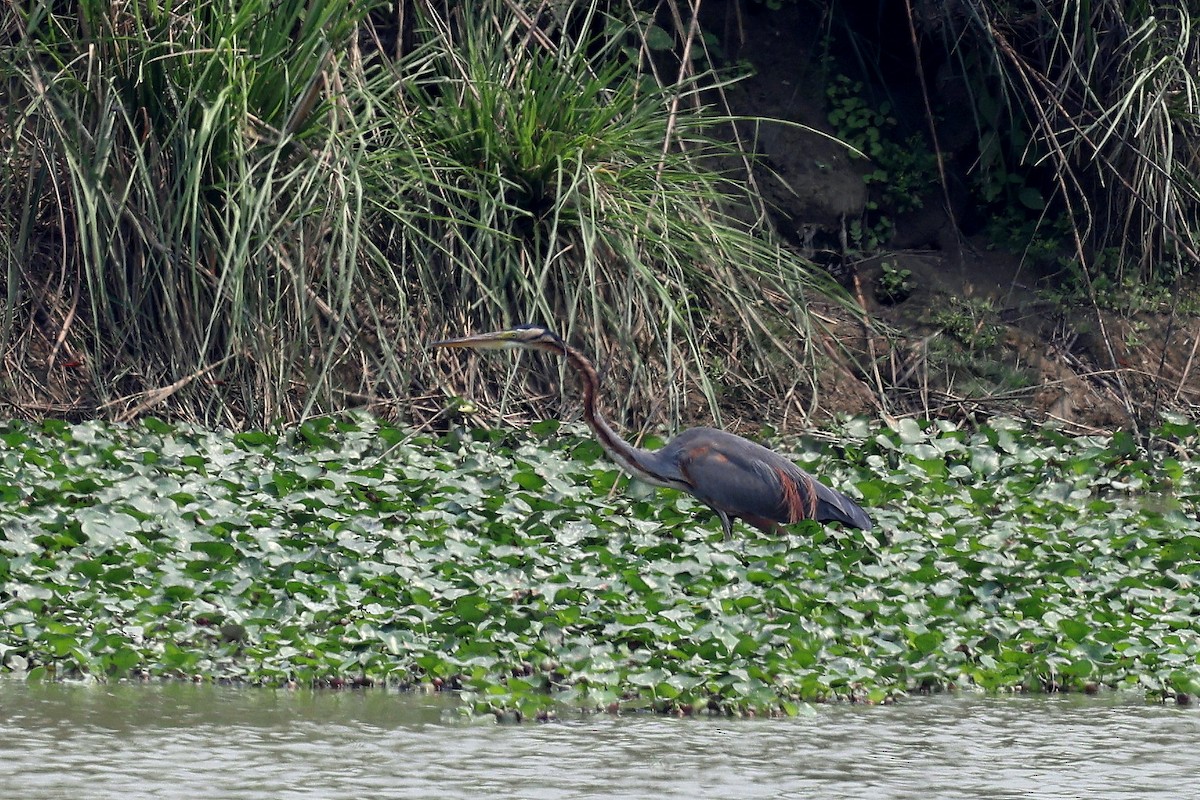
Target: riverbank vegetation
{"x": 523, "y": 570}
{"x": 251, "y": 216}
{"x": 246, "y": 213}
{"x": 252, "y": 212}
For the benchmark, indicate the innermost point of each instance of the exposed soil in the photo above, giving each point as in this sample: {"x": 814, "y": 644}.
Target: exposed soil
{"x": 975, "y": 330}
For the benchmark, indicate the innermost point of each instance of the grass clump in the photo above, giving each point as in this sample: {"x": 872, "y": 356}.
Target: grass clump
{"x": 167, "y": 171}
{"x": 561, "y": 181}
{"x": 252, "y": 212}
{"x": 343, "y": 552}
{"x": 1089, "y": 111}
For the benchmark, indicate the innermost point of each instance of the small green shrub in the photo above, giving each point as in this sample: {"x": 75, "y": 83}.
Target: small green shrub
{"x": 903, "y": 170}
{"x": 894, "y": 285}
{"x": 970, "y": 322}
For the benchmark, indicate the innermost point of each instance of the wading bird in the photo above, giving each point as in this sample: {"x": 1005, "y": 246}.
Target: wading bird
{"x": 734, "y": 476}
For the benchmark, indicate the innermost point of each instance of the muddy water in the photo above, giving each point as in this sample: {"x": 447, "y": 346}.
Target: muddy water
{"x": 71, "y": 741}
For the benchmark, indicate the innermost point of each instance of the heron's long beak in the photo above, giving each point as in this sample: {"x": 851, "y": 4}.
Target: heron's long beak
{"x": 496, "y": 340}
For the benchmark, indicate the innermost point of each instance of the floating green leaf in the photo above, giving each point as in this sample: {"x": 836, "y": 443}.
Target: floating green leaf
{"x": 526, "y": 572}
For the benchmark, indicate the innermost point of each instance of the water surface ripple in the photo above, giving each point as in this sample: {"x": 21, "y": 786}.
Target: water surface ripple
{"x": 175, "y": 740}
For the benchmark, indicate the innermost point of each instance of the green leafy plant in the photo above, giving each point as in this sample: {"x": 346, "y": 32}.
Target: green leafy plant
{"x": 1108, "y": 286}
{"x": 902, "y": 173}
{"x": 503, "y": 566}
{"x": 970, "y": 321}
{"x": 866, "y": 236}
{"x": 894, "y": 285}
{"x": 855, "y": 121}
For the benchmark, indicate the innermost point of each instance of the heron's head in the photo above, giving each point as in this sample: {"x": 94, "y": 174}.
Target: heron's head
{"x": 527, "y": 337}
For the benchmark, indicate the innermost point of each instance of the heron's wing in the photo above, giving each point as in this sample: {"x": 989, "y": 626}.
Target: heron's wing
{"x": 833, "y": 505}
{"x": 746, "y": 479}
{"x": 729, "y": 473}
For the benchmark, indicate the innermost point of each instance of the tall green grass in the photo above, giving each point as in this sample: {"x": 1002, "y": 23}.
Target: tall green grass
{"x": 1105, "y": 93}
{"x": 249, "y": 212}
{"x": 173, "y": 203}
{"x": 563, "y": 184}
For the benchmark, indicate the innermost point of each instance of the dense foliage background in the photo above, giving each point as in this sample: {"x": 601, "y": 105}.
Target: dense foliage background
{"x": 526, "y": 571}
{"x": 248, "y": 212}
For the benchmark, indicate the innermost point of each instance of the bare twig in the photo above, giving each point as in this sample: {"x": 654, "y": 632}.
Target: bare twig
{"x": 152, "y": 397}
{"x": 1187, "y": 369}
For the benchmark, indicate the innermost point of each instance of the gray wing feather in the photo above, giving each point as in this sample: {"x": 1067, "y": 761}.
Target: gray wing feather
{"x": 744, "y": 479}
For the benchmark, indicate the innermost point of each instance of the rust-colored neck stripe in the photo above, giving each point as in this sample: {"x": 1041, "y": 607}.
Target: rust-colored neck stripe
{"x": 624, "y": 454}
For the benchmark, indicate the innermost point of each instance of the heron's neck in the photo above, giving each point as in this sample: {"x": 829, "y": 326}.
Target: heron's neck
{"x": 642, "y": 464}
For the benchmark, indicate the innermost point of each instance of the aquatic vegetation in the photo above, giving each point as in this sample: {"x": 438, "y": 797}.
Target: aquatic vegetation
{"x": 524, "y": 570}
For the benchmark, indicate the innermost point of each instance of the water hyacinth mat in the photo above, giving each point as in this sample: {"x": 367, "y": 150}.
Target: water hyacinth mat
{"x": 521, "y": 568}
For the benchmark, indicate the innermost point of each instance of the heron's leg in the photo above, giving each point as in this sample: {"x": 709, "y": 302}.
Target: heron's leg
{"x": 726, "y": 524}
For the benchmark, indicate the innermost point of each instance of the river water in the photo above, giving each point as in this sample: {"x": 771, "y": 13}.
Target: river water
{"x": 80, "y": 742}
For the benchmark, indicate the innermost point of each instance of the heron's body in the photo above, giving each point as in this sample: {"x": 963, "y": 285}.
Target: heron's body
{"x": 736, "y": 477}
{"x": 745, "y": 480}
